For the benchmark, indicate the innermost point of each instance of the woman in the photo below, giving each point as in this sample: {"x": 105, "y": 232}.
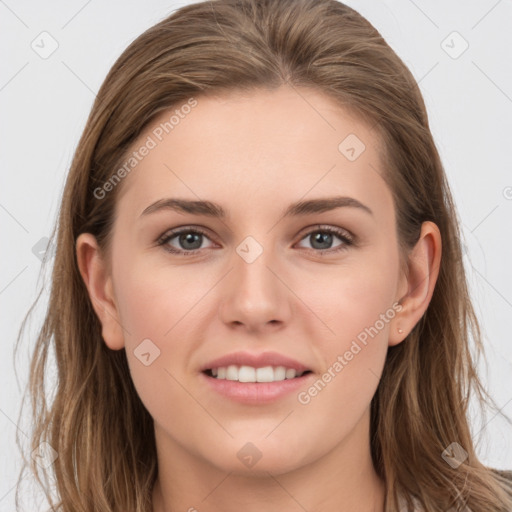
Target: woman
{"x": 258, "y": 367}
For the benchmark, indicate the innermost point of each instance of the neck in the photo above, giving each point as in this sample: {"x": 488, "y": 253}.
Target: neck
{"x": 342, "y": 480}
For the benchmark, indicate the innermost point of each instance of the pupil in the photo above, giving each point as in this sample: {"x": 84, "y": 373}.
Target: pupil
{"x": 189, "y": 238}
{"x": 322, "y": 237}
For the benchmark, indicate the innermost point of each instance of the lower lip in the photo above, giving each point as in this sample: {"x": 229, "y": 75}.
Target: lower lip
{"x": 256, "y": 392}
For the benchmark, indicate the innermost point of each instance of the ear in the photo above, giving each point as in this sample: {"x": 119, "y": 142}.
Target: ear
{"x": 416, "y": 288}
{"x": 93, "y": 270}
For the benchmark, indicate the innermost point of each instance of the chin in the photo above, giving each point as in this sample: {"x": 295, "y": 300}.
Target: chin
{"x": 258, "y": 459}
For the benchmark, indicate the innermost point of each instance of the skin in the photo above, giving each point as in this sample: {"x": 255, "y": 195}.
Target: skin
{"x": 254, "y": 154}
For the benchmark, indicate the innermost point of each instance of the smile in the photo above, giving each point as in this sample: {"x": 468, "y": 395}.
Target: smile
{"x": 252, "y": 374}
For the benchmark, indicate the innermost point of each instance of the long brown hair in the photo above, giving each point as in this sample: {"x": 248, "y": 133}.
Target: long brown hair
{"x": 96, "y": 422}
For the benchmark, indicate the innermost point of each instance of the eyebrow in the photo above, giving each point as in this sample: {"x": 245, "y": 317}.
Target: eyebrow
{"x": 211, "y": 209}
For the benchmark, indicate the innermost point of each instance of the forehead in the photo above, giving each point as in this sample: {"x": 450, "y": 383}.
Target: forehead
{"x": 261, "y": 146}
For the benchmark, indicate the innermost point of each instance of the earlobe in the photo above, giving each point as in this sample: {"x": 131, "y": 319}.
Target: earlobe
{"x": 422, "y": 272}
{"x": 93, "y": 270}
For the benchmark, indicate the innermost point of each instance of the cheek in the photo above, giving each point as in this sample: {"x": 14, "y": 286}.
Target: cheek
{"x": 357, "y": 305}
{"x": 352, "y": 298}
{"x": 154, "y": 312}
{"x": 158, "y": 308}
{"x": 353, "y": 358}
{"x": 154, "y": 300}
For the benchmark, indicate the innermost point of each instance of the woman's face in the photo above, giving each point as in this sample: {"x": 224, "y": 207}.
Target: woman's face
{"x": 314, "y": 289}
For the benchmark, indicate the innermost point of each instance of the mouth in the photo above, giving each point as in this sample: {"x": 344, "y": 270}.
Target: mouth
{"x": 255, "y": 378}
{"x": 250, "y": 374}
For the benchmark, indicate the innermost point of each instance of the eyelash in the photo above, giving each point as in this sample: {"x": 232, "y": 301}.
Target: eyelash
{"x": 347, "y": 239}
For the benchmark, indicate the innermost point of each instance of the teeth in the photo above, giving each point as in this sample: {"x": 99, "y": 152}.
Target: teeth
{"x": 246, "y": 373}
{"x": 279, "y": 373}
{"x": 250, "y": 374}
{"x": 290, "y": 373}
{"x": 232, "y": 373}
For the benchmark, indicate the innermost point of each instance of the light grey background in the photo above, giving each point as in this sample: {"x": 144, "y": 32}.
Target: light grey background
{"x": 45, "y": 103}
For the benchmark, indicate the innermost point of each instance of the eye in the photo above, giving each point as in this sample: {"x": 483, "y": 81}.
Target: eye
{"x": 189, "y": 240}
{"x": 322, "y": 238}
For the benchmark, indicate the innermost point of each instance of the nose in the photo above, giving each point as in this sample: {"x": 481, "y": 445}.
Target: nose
{"x": 255, "y": 295}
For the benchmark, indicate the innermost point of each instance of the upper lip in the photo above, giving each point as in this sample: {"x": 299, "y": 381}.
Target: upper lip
{"x": 255, "y": 360}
